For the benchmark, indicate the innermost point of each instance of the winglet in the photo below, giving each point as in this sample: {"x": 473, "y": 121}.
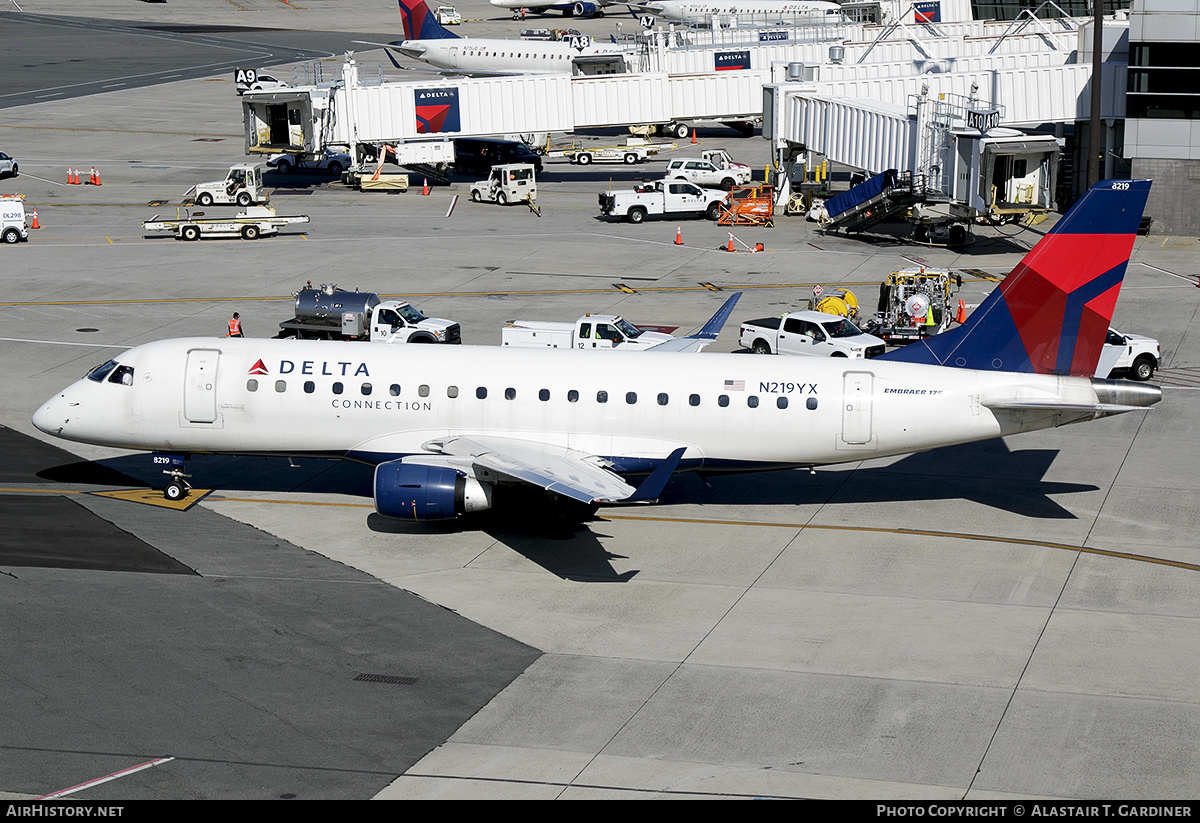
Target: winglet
{"x": 712, "y": 328}
{"x": 654, "y": 484}
{"x": 1051, "y": 314}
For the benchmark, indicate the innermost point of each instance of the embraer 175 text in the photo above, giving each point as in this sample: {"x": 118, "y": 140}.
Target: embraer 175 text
{"x": 428, "y": 41}
{"x": 445, "y": 425}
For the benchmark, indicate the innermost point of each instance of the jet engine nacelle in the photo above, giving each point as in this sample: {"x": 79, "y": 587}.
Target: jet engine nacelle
{"x": 414, "y": 492}
{"x": 582, "y": 9}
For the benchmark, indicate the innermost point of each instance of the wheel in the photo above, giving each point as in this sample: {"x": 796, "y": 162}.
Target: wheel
{"x": 630, "y": 159}
{"x": 284, "y": 167}
{"x": 713, "y": 211}
{"x": 501, "y": 198}
{"x": 335, "y": 169}
{"x": 191, "y": 232}
{"x": 680, "y": 130}
{"x": 475, "y": 196}
{"x": 12, "y": 236}
{"x": 250, "y": 232}
{"x": 244, "y": 199}
{"x": 760, "y": 347}
{"x": 727, "y": 184}
{"x": 204, "y": 199}
{"x": 958, "y": 234}
{"x": 14, "y": 172}
{"x": 175, "y": 490}
{"x": 637, "y": 214}
{"x": 1143, "y": 368}
{"x": 584, "y": 159}
{"x": 921, "y": 233}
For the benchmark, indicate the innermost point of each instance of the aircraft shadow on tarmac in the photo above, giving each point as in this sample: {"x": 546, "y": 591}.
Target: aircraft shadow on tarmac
{"x": 569, "y": 546}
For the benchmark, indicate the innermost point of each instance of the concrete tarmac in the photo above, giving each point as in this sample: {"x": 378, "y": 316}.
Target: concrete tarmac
{"x": 1010, "y": 619}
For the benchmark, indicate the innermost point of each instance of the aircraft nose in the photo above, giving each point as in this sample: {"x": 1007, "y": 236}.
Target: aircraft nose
{"x": 50, "y": 417}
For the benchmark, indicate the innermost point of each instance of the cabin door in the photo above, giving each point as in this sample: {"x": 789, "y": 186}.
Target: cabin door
{"x": 857, "y": 388}
{"x": 200, "y": 386}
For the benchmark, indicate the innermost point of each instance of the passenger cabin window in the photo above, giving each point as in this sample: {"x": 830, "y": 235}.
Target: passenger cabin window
{"x": 723, "y": 400}
{"x": 694, "y": 400}
{"x": 510, "y": 394}
{"x": 423, "y": 391}
{"x": 543, "y": 395}
{"x": 366, "y": 389}
{"x": 309, "y": 387}
{"x": 572, "y": 396}
{"x": 631, "y": 397}
{"x": 752, "y": 402}
{"x": 337, "y": 388}
{"x": 394, "y": 390}
{"x": 281, "y": 386}
{"x": 811, "y": 403}
{"x": 781, "y": 402}
{"x": 481, "y": 393}
{"x": 452, "y": 391}
{"x": 251, "y": 385}
{"x": 662, "y": 399}
{"x": 601, "y": 397}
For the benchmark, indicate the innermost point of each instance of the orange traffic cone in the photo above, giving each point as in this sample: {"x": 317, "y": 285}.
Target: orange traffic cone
{"x": 68, "y": 174}
{"x": 961, "y": 317}
{"x": 693, "y": 136}
{"x": 92, "y": 181}
{"x": 98, "y": 183}
{"x": 75, "y": 177}
{"x": 425, "y": 188}
{"x": 730, "y": 246}
{"x": 36, "y": 224}
{"x": 678, "y": 236}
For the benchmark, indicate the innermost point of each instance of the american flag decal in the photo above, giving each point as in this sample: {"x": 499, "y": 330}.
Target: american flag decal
{"x": 735, "y": 385}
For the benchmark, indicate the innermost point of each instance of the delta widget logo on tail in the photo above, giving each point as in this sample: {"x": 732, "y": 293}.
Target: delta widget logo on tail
{"x": 437, "y": 110}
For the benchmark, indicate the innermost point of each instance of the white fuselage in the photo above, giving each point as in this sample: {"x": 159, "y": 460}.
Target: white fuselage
{"x": 504, "y": 56}
{"x": 687, "y": 11}
{"x": 374, "y": 403}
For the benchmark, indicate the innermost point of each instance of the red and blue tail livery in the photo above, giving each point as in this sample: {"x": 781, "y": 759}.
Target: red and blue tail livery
{"x": 420, "y": 23}
{"x": 1052, "y": 312}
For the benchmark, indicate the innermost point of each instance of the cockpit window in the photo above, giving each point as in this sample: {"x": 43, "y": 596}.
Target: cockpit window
{"x": 100, "y": 372}
{"x": 122, "y": 375}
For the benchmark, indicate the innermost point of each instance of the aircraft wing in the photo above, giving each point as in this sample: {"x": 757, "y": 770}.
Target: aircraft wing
{"x": 564, "y": 471}
{"x": 708, "y": 332}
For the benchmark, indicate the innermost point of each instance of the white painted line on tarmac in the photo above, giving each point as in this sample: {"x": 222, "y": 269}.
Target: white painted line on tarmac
{"x": 64, "y": 343}
{"x": 158, "y": 761}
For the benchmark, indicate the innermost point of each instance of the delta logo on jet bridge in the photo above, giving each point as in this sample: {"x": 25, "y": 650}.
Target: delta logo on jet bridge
{"x": 731, "y": 60}
{"x": 437, "y": 110}
{"x": 927, "y": 12}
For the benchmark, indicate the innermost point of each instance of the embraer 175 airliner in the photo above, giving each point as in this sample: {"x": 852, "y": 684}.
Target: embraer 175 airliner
{"x": 428, "y": 41}
{"x": 445, "y": 425}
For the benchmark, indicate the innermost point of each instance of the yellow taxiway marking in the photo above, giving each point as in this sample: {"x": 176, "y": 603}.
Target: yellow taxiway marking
{"x": 1141, "y": 558}
{"x": 428, "y": 295}
{"x": 154, "y": 497}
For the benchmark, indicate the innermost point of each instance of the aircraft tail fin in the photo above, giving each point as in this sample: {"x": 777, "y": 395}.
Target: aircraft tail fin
{"x": 1051, "y": 314}
{"x": 420, "y": 23}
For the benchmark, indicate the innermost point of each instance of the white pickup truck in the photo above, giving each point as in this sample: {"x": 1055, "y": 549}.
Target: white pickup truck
{"x": 809, "y": 332}
{"x": 1128, "y": 354}
{"x": 592, "y": 331}
{"x": 661, "y": 197}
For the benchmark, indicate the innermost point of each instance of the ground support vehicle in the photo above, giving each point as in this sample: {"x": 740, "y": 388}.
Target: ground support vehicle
{"x": 628, "y": 154}
{"x": 706, "y": 173}
{"x": 330, "y": 313}
{"x": 251, "y": 80}
{"x": 809, "y": 332}
{"x": 12, "y": 218}
{"x": 748, "y": 206}
{"x": 243, "y": 186}
{"x": 448, "y": 16}
{"x": 250, "y": 224}
{"x": 1131, "y": 355}
{"x": 326, "y": 160}
{"x": 841, "y": 302}
{"x": 661, "y": 197}
{"x": 914, "y": 304}
{"x": 592, "y": 331}
{"x": 8, "y": 166}
{"x": 512, "y": 183}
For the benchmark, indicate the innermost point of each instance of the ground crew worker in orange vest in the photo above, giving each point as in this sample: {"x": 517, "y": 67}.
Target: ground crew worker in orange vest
{"x": 235, "y": 326}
